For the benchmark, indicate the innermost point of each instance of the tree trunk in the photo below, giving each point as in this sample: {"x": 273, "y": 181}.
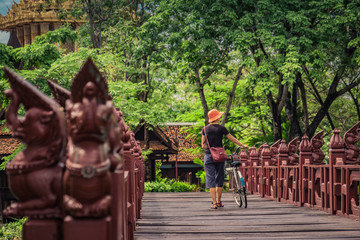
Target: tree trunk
{"x": 146, "y": 82}
{"x": 200, "y": 90}
{"x": 291, "y": 112}
{"x": 304, "y": 103}
{"x": 356, "y": 103}
{"x": 277, "y": 130}
{"x": 231, "y": 96}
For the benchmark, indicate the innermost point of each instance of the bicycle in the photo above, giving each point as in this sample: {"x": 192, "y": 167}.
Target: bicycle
{"x": 236, "y": 181}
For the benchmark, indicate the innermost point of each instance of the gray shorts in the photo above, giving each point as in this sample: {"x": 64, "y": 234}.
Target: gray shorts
{"x": 214, "y": 172}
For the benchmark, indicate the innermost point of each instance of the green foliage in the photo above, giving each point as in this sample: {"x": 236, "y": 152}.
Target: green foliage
{"x": 61, "y": 35}
{"x": 64, "y": 69}
{"x": 153, "y": 51}
{"x": 43, "y": 51}
{"x": 7, "y": 159}
{"x": 170, "y": 186}
{"x": 201, "y": 173}
{"x": 12, "y": 230}
{"x": 158, "y": 176}
{"x": 37, "y": 55}
{"x": 157, "y": 187}
{"x": 145, "y": 153}
{"x": 6, "y": 55}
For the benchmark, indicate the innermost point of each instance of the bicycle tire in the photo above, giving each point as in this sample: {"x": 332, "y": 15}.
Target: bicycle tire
{"x": 235, "y": 189}
{"x": 242, "y": 193}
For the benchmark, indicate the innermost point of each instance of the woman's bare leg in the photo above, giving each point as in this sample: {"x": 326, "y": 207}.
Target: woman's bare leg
{"x": 213, "y": 195}
{"x": 218, "y": 193}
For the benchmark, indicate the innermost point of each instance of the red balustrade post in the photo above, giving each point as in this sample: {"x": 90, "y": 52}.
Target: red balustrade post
{"x": 282, "y": 159}
{"x": 305, "y": 156}
{"x": 245, "y": 168}
{"x": 119, "y": 205}
{"x": 274, "y": 150}
{"x": 336, "y": 157}
{"x": 254, "y": 161}
{"x": 265, "y": 175}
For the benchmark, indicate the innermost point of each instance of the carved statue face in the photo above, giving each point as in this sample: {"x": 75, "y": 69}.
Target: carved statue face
{"x": 317, "y": 143}
{"x": 350, "y": 138}
{"x": 274, "y": 150}
{"x": 90, "y": 90}
{"x": 35, "y": 125}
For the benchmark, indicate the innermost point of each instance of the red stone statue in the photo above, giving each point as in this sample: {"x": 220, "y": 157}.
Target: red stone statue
{"x": 126, "y": 133}
{"x": 35, "y": 173}
{"x": 60, "y": 94}
{"x": 91, "y": 146}
{"x": 316, "y": 143}
{"x": 293, "y": 148}
{"x": 351, "y": 137}
{"x": 274, "y": 150}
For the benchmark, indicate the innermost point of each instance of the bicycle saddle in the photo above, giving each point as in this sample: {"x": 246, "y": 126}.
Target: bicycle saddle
{"x": 235, "y": 164}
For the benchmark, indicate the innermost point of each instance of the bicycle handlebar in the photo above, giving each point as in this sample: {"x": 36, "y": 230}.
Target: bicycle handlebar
{"x": 230, "y": 156}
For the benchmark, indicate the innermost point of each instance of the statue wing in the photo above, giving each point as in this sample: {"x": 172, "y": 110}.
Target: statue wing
{"x": 60, "y": 94}
{"x": 29, "y": 95}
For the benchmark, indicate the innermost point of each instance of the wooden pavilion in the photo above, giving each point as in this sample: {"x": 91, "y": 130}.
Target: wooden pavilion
{"x": 170, "y": 144}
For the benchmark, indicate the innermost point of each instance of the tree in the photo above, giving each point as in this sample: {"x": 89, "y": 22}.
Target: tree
{"x": 298, "y": 47}
{"x": 199, "y": 37}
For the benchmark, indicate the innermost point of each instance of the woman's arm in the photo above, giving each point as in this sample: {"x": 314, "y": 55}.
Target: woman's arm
{"x": 234, "y": 140}
{"x": 203, "y": 142}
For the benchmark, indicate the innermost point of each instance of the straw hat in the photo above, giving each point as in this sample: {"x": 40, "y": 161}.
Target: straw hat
{"x": 214, "y": 115}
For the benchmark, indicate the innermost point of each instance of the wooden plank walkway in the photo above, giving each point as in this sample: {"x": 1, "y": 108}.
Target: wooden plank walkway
{"x": 188, "y": 216}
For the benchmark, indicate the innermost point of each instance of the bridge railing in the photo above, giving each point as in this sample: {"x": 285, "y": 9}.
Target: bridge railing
{"x": 296, "y": 172}
{"x": 82, "y": 167}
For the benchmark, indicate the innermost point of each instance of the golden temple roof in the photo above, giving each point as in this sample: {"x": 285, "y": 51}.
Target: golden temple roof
{"x": 34, "y": 11}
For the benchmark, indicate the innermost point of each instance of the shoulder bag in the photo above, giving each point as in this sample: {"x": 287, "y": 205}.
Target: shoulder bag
{"x": 218, "y": 153}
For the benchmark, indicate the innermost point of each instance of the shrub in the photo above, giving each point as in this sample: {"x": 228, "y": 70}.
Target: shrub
{"x": 183, "y": 187}
{"x": 12, "y": 230}
{"x": 170, "y": 186}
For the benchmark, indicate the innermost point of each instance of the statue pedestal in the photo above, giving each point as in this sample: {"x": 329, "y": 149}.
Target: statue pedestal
{"x": 41, "y": 230}
{"x": 89, "y": 229}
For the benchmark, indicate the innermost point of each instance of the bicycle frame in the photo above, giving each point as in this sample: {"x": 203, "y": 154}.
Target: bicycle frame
{"x": 235, "y": 171}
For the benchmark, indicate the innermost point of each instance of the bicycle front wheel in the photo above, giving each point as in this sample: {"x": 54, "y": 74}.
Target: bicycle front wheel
{"x": 242, "y": 193}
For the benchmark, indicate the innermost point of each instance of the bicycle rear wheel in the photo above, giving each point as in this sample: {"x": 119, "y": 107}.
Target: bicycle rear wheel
{"x": 238, "y": 191}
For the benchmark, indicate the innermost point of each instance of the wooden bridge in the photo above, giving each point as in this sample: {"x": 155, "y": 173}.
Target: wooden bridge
{"x": 188, "y": 216}
{"x": 295, "y": 196}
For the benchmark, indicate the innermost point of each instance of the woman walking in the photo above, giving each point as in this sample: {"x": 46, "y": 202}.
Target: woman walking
{"x": 214, "y": 171}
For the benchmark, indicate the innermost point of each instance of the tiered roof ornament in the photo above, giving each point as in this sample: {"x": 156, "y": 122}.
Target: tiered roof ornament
{"x": 31, "y": 18}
